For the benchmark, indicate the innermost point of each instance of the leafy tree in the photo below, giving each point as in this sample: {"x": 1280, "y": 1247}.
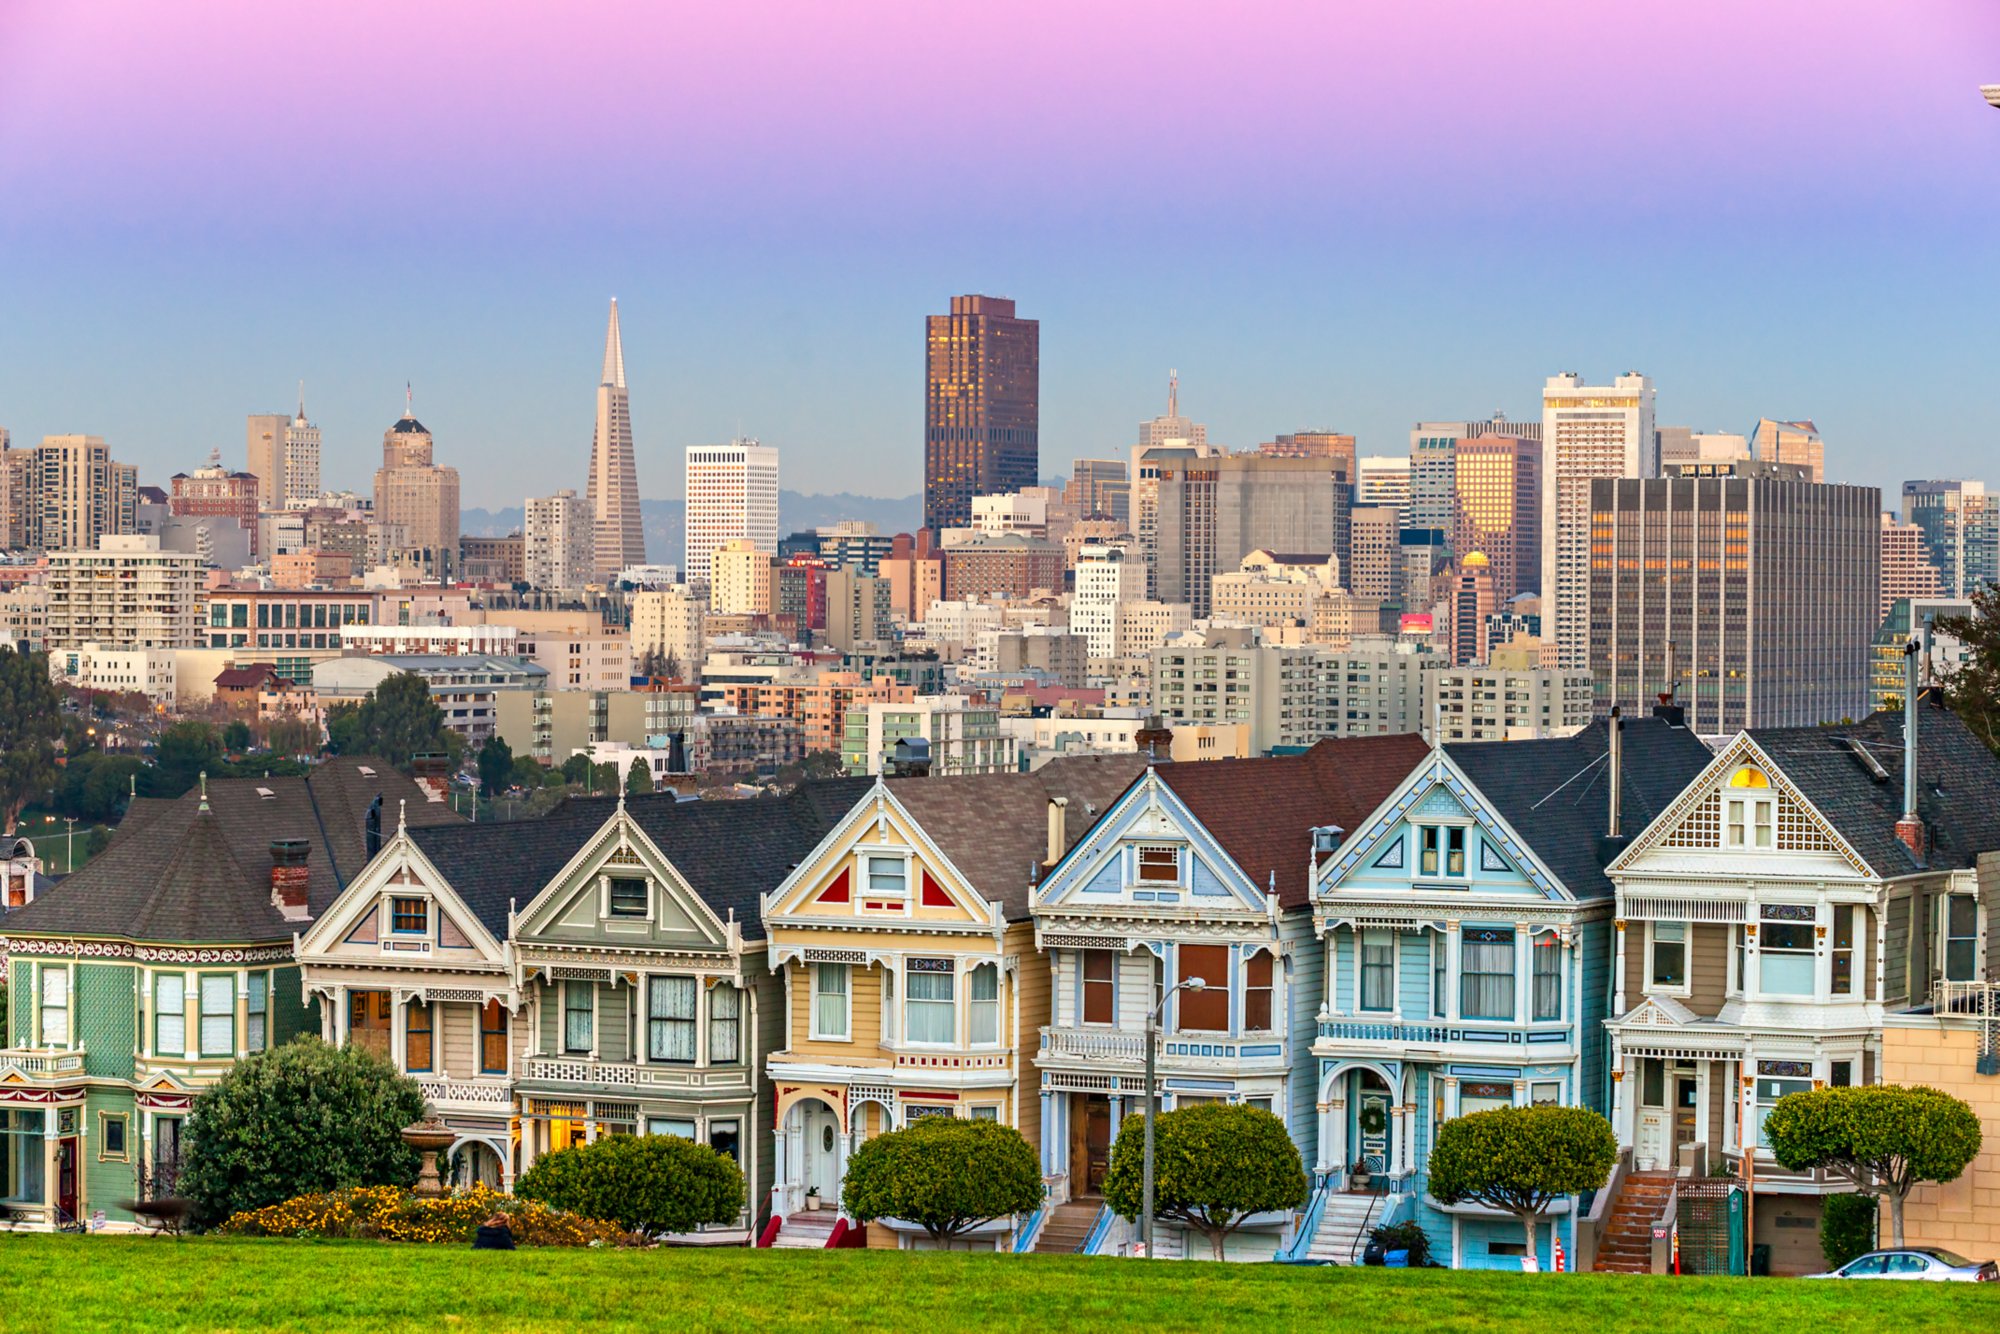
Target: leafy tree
{"x": 1885, "y": 1137}
{"x": 638, "y": 777}
{"x": 652, "y": 663}
{"x": 95, "y": 786}
{"x": 528, "y": 773}
{"x": 293, "y": 736}
{"x": 1214, "y": 1165}
{"x": 1521, "y": 1160}
{"x": 30, "y": 722}
{"x": 496, "y": 765}
{"x": 605, "y": 779}
{"x": 236, "y": 737}
{"x": 943, "y": 1173}
{"x": 183, "y": 753}
{"x": 1972, "y": 690}
{"x": 397, "y": 720}
{"x": 824, "y": 764}
{"x": 97, "y": 841}
{"x": 650, "y": 1183}
{"x": 1847, "y": 1227}
{"x": 576, "y": 770}
{"x": 294, "y": 1120}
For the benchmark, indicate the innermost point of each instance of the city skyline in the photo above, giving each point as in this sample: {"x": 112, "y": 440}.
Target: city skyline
{"x": 745, "y": 319}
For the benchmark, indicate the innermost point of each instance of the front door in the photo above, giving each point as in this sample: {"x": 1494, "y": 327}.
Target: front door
{"x": 1096, "y": 1143}
{"x": 820, "y": 1152}
{"x": 1652, "y": 1142}
{"x": 1686, "y": 1095}
{"x": 1371, "y": 1118}
{"x": 66, "y": 1177}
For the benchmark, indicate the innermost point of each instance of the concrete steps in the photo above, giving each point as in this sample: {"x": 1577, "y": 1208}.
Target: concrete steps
{"x": 1343, "y": 1228}
{"x": 805, "y": 1229}
{"x": 1067, "y": 1227}
{"x": 1627, "y": 1244}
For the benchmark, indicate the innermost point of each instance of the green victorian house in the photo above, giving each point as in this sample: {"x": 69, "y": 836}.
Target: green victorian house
{"x": 136, "y": 982}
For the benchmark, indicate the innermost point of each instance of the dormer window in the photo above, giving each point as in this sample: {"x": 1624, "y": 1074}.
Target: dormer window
{"x": 628, "y": 898}
{"x": 409, "y": 917}
{"x": 889, "y": 876}
{"x": 1441, "y": 846}
{"x": 1750, "y": 812}
{"x": 1160, "y": 865}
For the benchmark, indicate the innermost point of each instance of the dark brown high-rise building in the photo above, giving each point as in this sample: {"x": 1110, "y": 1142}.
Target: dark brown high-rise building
{"x": 982, "y": 406}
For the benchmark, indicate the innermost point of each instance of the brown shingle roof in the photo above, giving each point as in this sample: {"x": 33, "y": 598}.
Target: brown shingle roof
{"x": 994, "y": 827}
{"x": 1263, "y": 811}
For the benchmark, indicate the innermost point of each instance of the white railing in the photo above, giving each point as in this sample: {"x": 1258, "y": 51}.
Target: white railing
{"x": 1085, "y": 1044}
{"x": 1178, "y": 1051}
{"x": 1974, "y": 1000}
{"x": 580, "y": 1072}
{"x": 483, "y": 1093}
{"x": 43, "y": 1061}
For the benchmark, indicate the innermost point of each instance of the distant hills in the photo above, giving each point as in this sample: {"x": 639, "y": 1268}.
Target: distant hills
{"x": 666, "y": 520}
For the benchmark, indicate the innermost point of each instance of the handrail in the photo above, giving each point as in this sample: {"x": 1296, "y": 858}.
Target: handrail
{"x": 1097, "y": 1231}
{"x": 1028, "y": 1233}
{"x": 1361, "y": 1236}
{"x": 1308, "y": 1228}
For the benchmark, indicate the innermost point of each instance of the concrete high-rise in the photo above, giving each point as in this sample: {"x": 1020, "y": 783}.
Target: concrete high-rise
{"x": 613, "y": 492}
{"x": 1588, "y": 432}
{"x": 416, "y": 502}
{"x": 1108, "y": 575}
{"x": 558, "y": 535}
{"x": 1790, "y": 442}
{"x": 1172, "y": 429}
{"x": 68, "y": 491}
{"x": 1214, "y": 511}
{"x": 1759, "y": 587}
{"x": 1907, "y": 571}
{"x": 1497, "y": 510}
{"x": 301, "y": 459}
{"x": 264, "y": 454}
{"x": 1100, "y": 487}
{"x": 982, "y": 406}
{"x": 1382, "y": 479}
{"x": 732, "y": 492}
{"x": 1961, "y": 526}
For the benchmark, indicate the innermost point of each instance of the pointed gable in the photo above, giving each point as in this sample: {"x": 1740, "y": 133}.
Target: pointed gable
{"x": 1147, "y": 849}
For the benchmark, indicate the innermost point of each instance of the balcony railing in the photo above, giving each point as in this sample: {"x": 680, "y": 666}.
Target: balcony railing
{"x": 1438, "y": 1033}
{"x": 1178, "y": 1050}
{"x": 495, "y": 1092}
{"x": 1973, "y": 1000}
{"x": 43, "y": 1062}
{"x": 623, "y": 1074}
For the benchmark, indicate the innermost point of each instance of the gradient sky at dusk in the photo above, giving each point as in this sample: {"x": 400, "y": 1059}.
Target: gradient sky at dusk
{"x": 1325, "y": 215}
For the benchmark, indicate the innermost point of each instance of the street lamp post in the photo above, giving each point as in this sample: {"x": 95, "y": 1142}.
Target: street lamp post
{"x": 1152, "y": 1103}
{"x": 70, "y": 820}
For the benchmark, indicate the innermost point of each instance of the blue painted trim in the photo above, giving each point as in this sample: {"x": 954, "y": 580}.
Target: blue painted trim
{"x": 1026, "y": 1234}
{"x": 1302, "y": 1239}
{"x": 1097, "y": 1231}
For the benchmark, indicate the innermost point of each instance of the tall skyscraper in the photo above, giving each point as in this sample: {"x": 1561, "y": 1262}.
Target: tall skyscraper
{"x": 613, "y": 493}
{"x": 1497, "y": 510}
{"x": 1758, "y": 586}
{"x": 416, "y": 502}
{"x": 1172, "y": 429}
{"x": 1107, "y": 577}
{"x": 1790, "y": 442}
{"x": 732, "y": 492}
{"x": 264, "y": 452}
{"x": 982, "y": 407}
{"x": 301, "y": 475}
{"x": 1961, "y": 526}
{"x": 1433, "y": 473}
{"x": 1907, "y": 571}
{"x": 1588, "y": 432}
{"x": 1100, "y": 487}
{"x": 69, "y": 491}
{"x": 1382, "y": 479}
{"x": 1213, "y": 511}
{"x": 1472, "y": 602}
{"x": 213, "y": 491}
{"x": 558, "y": 542}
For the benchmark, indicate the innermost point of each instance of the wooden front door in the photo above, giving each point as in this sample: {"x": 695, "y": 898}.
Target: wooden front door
{"x": 368, "y": 1019}
{"x": 1089, "y": 1142}
{"x": 1686, "y": 1095}
{"x": 66, "y": 1176}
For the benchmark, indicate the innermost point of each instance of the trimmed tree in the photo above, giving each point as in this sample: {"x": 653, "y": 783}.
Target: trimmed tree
{"x": 643, "y": 1183}
{"x": 30, "y": 722}
{"x": 1214, "y": 1165}
{"x": 496, "y": 765}
{"x": 944, "y": 1174}
{"x": 397, "y": 720}
{"x": 295, "y": 1120}
{"x": 638, "y": 777}
{"x": 1521, "y": 1160}
{"x": 1883, "y": 1137}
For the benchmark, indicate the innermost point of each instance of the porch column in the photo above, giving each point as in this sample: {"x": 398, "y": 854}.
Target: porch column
{"x": 399, "y": 1031}
{"x": 1524, "y": 948}
{"x": 1618, "y": 969}
{"x": 342, "y": 1007}
{"x": 1324, "y": 1110}
{"x": 1451, "y": 960}
{"x": 1337, "y": 1111}
{"x": 243, "y": 1015}
{"x": 1701, "y": 1127}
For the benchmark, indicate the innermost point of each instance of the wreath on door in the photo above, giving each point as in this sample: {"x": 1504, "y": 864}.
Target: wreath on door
{"x": 1373, "y": 1119}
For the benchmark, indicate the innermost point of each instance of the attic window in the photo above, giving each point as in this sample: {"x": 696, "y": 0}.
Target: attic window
{"x": 1749, "y": 776}
{"x": 1160, "y": 865}
{"x": 628, "y": 898}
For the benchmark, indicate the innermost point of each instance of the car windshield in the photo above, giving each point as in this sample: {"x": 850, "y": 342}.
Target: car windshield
{"x": 1952, "y": 1258}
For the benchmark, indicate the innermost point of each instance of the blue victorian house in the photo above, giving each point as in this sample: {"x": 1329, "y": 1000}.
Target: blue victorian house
{"x": 1467, "y": 934}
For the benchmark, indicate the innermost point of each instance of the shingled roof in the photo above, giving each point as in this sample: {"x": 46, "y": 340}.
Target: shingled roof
{"x": 1958, "y": 786}
{"x": 1263, "y": 811}
{"x": 730, "y": 852}
{"x": 197, "y": 870}
{"x": 994, "y": 827}
{"x": 1556, "y": 792}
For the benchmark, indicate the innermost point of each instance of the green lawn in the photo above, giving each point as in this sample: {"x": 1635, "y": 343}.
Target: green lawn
{"x": 128, "y": 1283}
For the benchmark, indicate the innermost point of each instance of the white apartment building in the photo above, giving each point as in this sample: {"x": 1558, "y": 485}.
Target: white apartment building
{"x": 960, "y": 622}
{"x": 1505, "y": 703}
{"x": 732, "y": 492}
{"x": 1376, "y": 688}
{"x": 1226, "y": 674}
{"x": 965, "y": 737}
{"x": 151, "y": 672}
{"x": 1108, "y": 576}
{"x": 1146, "y": 624}
{"x": 125, "y": 593}
{"x": 1588, "y": 431}
{"x": 669, "y": 621}
{"x": 1011, "y": 512}
{"x": 558, "y": 542}
{"x": 1382, "y": 479}
{"x": 740, "y": 579}
{"x": 24, "y": 617}
{"x": 433, "y": 640}
{"x": 579, "y": 657}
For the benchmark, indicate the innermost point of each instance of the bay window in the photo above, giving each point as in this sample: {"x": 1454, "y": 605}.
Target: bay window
{"x": 21, "y": 1154}
{"x": 726, "y": 1139}
{"x": 983, "y": 995}
{"x": 1486, "y": 960}
{"x": 829, "y": 1009}
{"x": 1785, "y": 958}
{"x": 579, "y": 1016}
{"x": 1100, "y": 987}
{"x": 1843, "y": 950}
{"x": 670, "y": 1125}
{"x": 1770, "y": 1089}
{"x": 725, "y": 1025}
{"x": 218, "y": 1015}
{"x": 1378, "y": 970}
{"x": 670, "y": 1018}
{"x": 169, "y": 1014}
{"x": 929, "y": 1013}
{"x": 1483, "y": 1096}
{"x": 257, "y": 1013}
{"x": 1546, "y": 976}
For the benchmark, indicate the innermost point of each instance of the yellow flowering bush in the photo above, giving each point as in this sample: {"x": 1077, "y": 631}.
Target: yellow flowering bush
{"x": 386, "y": 1213}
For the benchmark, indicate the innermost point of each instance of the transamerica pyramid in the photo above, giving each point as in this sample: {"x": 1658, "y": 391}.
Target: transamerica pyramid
{"x": 620, "y": 539}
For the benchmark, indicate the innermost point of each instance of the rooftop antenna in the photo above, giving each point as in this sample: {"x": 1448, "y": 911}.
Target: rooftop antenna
{"x": 302, "y": 400}
{"x": 1173, "y": 393}
{"x": 408, "y": 396}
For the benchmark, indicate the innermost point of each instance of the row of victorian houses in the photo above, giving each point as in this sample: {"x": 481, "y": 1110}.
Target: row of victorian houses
{"x": 1389, "y": 935}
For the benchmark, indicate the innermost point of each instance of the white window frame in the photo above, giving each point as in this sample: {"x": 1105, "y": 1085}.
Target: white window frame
{"x": 1755, "y": 818}
{"x": 205, "y": 984}
{"x": 866, "y": 889}
{"x": 1810, "y": 954}
{"x": 177, "y": 1013}
{"x": 1655, "y": 988}
{"x": 1139, "y": 850}
{"x": 846, "y": 993}
{"x": 562, "y": 1035}
{"x": 1361, "y": 941}
{"x": 952, "y": 1001}
{"x": 974, "y": 1006}
{"x": 1945, "y": 937}
{"x": 604, "y": 904}
{"x": 44, "y": 975}
{"x": 1553, "y": 1087}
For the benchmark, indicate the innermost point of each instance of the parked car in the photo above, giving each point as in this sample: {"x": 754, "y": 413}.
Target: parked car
{"x": 1931, "y": 1263}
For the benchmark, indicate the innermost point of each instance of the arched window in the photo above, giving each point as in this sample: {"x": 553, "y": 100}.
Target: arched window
{"x": 1749, "y": 776}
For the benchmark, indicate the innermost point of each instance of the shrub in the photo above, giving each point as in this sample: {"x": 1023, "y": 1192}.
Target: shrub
{"x": 1884, "y": 1136}
{"x": 649, "y": 1183}
{"x": 944, "y": 1174}
{"x": 1847, "y": 1227}
{"x": 1214, "y": 1165}
{"x": 1406, "y": 1236}
{"x": 383, "y": 1213}
{"x": 294, "y": 1120}
{"x": 1521, "y": 1160}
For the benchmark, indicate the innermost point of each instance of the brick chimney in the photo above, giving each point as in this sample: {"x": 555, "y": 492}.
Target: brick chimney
{"x": 289, "y": 876}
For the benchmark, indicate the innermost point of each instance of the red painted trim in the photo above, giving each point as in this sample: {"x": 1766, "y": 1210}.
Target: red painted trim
{"x": 836, "y": 890}
{"x": 933, "y": 894}
{"x": 833, "y": 1238}
{"x": 770, "y": 1232}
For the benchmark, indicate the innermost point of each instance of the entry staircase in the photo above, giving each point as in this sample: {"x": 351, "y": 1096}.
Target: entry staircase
{"x": 1343, "y": 1229}
{"x": 1068, "y": 1227}
{"x": 808, "y": 1228}
{"x": 1627, "y": 1244}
